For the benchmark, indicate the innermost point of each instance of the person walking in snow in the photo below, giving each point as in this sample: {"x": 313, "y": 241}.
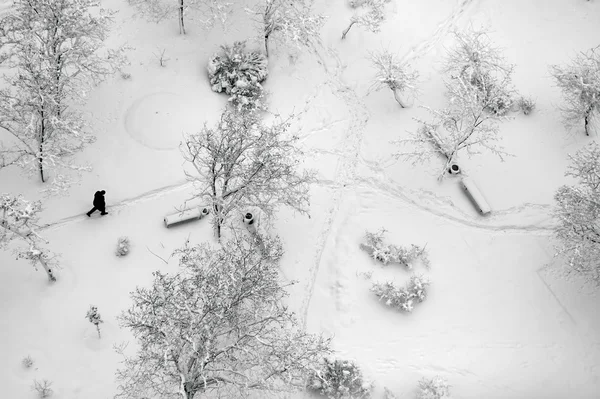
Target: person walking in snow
{"x": 99, "y": 204}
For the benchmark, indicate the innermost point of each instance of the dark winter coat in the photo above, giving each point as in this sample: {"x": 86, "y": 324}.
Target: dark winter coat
{"x": 99, "y": 199}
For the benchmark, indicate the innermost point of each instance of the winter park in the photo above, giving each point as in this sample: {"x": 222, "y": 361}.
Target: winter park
{"x": 344, "y": 199}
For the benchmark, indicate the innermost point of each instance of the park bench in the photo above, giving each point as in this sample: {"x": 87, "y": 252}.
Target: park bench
{"x": 475, "y": 195}
{"x": 185, "y": 216}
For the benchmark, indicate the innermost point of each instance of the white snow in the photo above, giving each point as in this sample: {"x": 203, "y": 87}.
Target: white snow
{"x": 499, "y": 321}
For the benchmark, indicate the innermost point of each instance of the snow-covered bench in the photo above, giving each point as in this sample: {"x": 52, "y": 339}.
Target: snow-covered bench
{"x": 476, "y": 196}
{"x": 185, "y": 216}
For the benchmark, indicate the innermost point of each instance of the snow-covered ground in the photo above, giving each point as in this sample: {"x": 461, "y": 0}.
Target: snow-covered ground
{"x": 498, "y": 323}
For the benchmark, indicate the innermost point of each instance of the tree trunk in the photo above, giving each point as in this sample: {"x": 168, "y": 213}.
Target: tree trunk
{"x": 48, "y": 270}
{"x": 267, "y": 45}
{"x": 189, "y": 392}
{"x": 345, "y": 32}
{"x": 586, "y": 119}
{"x": 181, "y": 25}
{"x": 218, "y": 221}
{"x": 397, "y": 97}
{"x": 98, "y": 329}
{"x": 41, "y": 149}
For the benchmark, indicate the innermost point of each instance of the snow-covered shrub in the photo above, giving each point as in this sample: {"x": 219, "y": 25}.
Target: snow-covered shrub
{"x": 433, "y": 388}
{"x": 356, "y": 3}
{"x": 369, "y": 13}
{"x": 43, "y": 388}
{"x": 339, "y": 379}
{"x": 122, "y": 246}
{"x": 388, "y": 394}
{"x": 526, "y": 104}
{"x": 125, "y": 75}
{"x": 402, "y": 298}
{"x": 27, "y": 362}
{"x": 239, "y": 73}
{"x": 394, "y": 74}
{"x": 94, "y": 317}
{"x": 388, "y": 253}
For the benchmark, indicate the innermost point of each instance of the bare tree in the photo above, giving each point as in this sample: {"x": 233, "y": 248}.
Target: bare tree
{"x": 294, "y": 21}
{"x": 18, "y": 222}
{"x": 369, "y": 14}
{"x": 56, "y": 47}
{"x": 578, "y": 214}
{"x": 466, "y": 126}
{"x": 219, "y": 325}
{"x": 479, "y": 63}
{"x": 580, "y": 85}
{"x": 206, "y": 11}
{"x": 480, "y": 94}
{"x": 242, "y": 163}
{"x": 394, "y": 75}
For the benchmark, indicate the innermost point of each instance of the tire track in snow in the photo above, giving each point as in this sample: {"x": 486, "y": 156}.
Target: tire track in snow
{"x": 345, "y": 172}
{"x": 147, "y": 196}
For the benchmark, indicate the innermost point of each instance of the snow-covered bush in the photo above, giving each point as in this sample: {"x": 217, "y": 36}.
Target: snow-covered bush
{"x": 388, "y": 253}
{"x": 388, "y": 394}
{"x": 27, "y": 362}
{"x": 526, "y": 104}
{"x": 122, "y": 246}
{"x": 356, "y": 3}
{"x": 43, "y": 388}
{"x": 19, "y": 222}
{"x": 339, "y": 379}
{"x": 394, "y": 75}
{"x": 369, "y": 13}
{"x": 433, "y": 388}
{"x": 402, "y": 298}
{"x": 94, "y": 317}
{"x": 239, "y": 73}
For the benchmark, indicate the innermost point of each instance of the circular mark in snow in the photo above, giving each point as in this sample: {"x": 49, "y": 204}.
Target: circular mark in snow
{"x": 158, "y": 120}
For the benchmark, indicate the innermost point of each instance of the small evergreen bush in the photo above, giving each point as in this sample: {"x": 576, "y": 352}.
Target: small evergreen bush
{"x": 339, "y": 379}
{"x": 402, "y": 298}
{"x": 122, "y": 246}
{"x": 238, "y": 73}
{"x": 526, "y": 105}
{"x": 27, "y": 362}
{"x": 433, "y": 388}
{"x": 43, "y": 388}
{"x": 94, "y": 317}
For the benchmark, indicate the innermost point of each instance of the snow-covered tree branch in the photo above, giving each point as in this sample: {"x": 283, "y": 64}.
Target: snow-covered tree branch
{"x": 242, "y": 163}
{"x": 218, "y": 325}
{"x": 207, "y": 12}
{"x": 580, "y": 85}
{"x": 578, "y": 214}
{"x": 57, "y": 49}
{"x": 292, "y": 23}
{"x": 370, "y": 14}
{"x": 18, "y": 222}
